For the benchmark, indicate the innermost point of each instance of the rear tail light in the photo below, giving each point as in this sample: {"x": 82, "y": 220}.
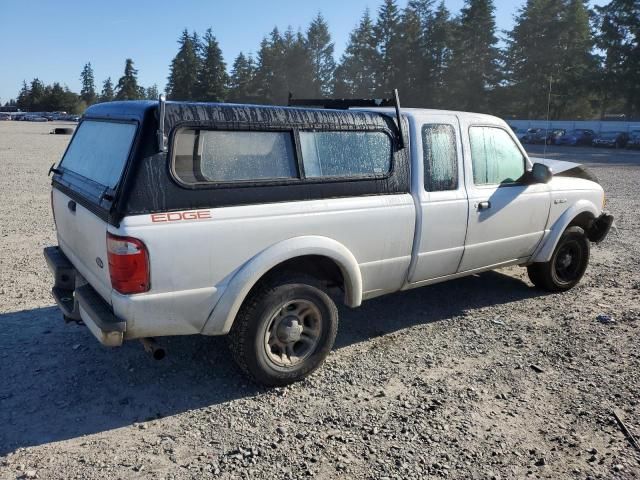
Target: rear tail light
{"x": 128, "y": 264}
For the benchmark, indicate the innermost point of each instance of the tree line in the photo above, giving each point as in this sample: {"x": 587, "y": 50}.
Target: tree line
{"x": 38, "y": 97}
{"x": 585, "y": 60}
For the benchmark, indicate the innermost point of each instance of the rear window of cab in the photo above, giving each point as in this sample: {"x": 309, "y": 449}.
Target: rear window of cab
{"x": 202, "y": 157}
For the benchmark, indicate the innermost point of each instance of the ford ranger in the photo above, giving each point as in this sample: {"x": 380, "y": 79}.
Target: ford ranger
{"x": 178, "y": 218}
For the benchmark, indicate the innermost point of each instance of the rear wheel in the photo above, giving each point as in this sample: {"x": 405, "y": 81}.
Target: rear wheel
{"x": 567, "y": 265}
{"x": 284, "y": 330}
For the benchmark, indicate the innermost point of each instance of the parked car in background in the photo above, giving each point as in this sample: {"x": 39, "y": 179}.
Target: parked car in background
{"x": 579, "y": 136}
{"x": 634, "y": 139}
{"x": 553, "y": 135}
{"x": 534, "y": 135}
{"x": 5, "y": 116}
{"x": 519, "y": 132}
{"x": 611, "y": 140}
{"x": 35, "y": 118}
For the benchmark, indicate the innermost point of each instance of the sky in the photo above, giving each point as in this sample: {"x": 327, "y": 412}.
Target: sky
{"x": 52, "y": 40}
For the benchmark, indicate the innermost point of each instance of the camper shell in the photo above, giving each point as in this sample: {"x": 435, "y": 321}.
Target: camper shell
{"x": 149, "y": 183}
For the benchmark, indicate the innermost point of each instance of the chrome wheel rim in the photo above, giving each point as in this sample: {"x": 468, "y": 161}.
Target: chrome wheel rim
{"x": 293, "y": 333}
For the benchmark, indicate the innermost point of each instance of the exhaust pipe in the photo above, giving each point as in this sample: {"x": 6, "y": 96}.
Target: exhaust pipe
{"x": 152, "y": 348}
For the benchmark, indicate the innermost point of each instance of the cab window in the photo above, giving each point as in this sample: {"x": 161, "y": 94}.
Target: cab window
{"x": 495, "y": 157}
{"x": 440, "y": 158}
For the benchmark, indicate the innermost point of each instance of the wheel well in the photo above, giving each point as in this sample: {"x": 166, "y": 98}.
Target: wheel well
{"x": 324, "y": 269}
{"x": 584, "y": 220}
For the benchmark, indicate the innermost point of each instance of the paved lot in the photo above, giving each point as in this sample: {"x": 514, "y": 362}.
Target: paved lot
{"x": 586, "y": 155}
{"x": 435, "y": 382}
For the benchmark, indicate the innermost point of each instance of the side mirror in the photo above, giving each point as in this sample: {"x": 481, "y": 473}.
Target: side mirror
{"x": 540, "y": 173}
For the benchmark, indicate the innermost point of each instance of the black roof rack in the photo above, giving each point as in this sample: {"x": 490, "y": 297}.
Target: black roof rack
{"x": 346, "y": 103}
{"x": 340, "y": 103}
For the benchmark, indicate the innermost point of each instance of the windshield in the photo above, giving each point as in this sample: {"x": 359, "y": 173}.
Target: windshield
{"x": 99, "y": 151}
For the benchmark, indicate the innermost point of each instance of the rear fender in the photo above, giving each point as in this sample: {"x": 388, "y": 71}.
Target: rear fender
{"x": 221, "y": 318}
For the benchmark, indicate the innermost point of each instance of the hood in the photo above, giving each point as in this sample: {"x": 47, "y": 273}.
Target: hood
{"x": 556, "y": 166}
{"x": 561, "y": 168}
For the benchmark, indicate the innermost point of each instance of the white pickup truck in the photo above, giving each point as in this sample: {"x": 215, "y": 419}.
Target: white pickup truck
{"x": 178, "y": 218}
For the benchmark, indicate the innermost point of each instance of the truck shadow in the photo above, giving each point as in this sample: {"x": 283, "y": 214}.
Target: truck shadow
{"x": 58, "y": 383}
{"x": 430, "y": 304}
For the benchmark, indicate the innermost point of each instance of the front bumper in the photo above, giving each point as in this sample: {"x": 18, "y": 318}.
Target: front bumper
{"x": 600, "y": 227}
{"x": 78, "y": 300}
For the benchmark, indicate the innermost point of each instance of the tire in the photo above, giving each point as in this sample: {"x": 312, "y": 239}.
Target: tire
{"x": 557, "y": 275}
{"x": 62, "y": 131}
{"x": 266, "y": 339}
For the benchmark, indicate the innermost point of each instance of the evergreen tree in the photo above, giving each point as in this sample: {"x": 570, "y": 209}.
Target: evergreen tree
{"x": 356, "y": 76}
{"x": 577, "y": 78}
{"x": 618, "y": 37}
{"x": 72, "y": 102}
{"x": 36, "y": 95}
{"x": 270, "y": 79}
{"x": 212, "y": 76}
{"x": 320, "y": 48}
{"x": 388, "y": 36}
{"x": 55, "y": 99}
{"x": 412, "y": 56}
{"x": 533, "y": 56}
{"x": 183, "y": 76}
{"x": 107, "y": 94}
{"x": 127, "y": 88}
{"x": 152, "y": 92}
{"x": 24, "y": 97}
{"x": 550, "y": 46}
{"x": 242, "y": 80}
{"x": 438, "y": 45}
{"x": 301, "y": 80}
{"x": 473, "y": 71}
{"x": 88, "y": 90}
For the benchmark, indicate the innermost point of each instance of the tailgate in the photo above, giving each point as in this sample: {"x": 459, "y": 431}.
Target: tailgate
{"x": 82, "y": 236}
{"x": 84, "y": 187}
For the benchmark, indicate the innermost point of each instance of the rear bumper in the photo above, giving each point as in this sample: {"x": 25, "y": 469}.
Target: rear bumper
{"x": 600, "y": 228}
{"x": 78, "y": 300}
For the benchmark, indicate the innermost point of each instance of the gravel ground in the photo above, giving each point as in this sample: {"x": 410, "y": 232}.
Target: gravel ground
{"x": 482, "y": 377}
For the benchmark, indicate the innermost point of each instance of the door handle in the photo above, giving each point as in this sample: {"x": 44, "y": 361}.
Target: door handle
{"x": 483, "y": 205}
{"x": 71, "y": 205}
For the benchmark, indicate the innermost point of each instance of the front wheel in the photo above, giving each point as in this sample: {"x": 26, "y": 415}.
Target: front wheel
{"x": 284, "y": 330}
{"x": 567, "y": 265}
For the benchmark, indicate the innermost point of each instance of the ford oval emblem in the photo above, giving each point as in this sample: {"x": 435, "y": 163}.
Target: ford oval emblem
{"x": 99, "y": 262}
